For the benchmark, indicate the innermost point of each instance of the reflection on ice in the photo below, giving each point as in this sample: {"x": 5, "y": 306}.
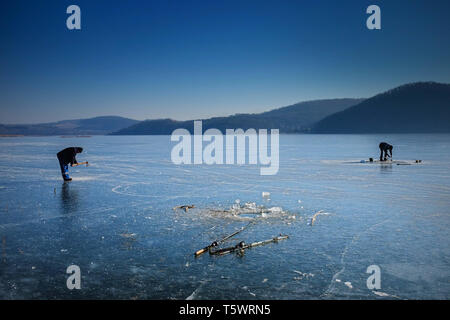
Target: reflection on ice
{"x": 69, "y": 199}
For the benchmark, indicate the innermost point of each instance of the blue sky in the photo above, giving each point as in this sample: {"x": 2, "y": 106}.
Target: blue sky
{"x": 194, "y": 59}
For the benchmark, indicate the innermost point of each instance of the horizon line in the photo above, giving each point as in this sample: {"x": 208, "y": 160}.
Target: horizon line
{"x": 177, "y": 120}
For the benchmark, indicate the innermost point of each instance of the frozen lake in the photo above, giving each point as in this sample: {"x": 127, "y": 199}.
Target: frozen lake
{"x": 115, "y": 220}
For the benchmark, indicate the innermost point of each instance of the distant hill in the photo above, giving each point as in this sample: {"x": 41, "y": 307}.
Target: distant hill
{"x": 299, "y": 117}
{"x": 420, "y": 107}
{"x": 92, "y": 126}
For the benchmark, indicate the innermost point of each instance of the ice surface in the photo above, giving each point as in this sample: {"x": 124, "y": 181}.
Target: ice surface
{"x": 115, "y": 221}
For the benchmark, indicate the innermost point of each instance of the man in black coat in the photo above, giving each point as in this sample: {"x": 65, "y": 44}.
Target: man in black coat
{"x": 385, "y": 148}
{"x": 66, "y": 157}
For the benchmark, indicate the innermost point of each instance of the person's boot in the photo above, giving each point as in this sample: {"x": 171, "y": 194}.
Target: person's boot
{"x": 66, "y": 176}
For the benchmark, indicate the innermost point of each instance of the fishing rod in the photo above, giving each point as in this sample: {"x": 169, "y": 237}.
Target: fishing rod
{"x": 241, "y": 246}
{"x": 217, "y": 242}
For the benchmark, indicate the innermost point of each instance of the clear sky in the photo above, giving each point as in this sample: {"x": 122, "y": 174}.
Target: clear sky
{"x": 193, "y": 59}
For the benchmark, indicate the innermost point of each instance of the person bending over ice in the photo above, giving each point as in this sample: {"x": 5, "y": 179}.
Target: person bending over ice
{"x": 66, "y": 157}
{"x": 385, "y": 148}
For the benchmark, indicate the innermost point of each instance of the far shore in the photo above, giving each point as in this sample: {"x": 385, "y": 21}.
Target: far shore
{"x": 11, "y": 135}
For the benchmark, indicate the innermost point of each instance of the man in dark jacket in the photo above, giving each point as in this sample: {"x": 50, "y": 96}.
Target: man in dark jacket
{"x": 66, "y": 157}
{"x": 385, "y": 148}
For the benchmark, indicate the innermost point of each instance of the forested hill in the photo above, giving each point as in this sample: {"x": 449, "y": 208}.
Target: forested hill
{"x": 297, "y": 118}
{"x": 420, "y": 107}
{"x": 91, "y": 126}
